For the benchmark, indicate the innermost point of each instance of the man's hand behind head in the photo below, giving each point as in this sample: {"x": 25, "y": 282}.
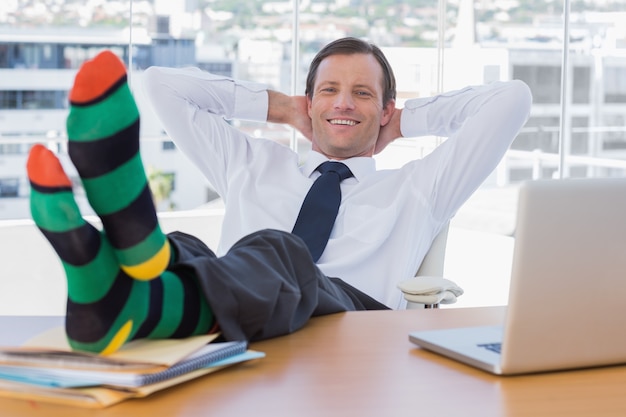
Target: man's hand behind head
{"x": 290, "y": 110}
{"x": 389, "y": 132}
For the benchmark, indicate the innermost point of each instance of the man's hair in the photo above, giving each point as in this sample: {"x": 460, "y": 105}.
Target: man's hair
{"x": 349, "y": 46}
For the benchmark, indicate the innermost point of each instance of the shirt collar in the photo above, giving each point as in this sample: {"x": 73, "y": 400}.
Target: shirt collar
{"x": 360, "y": 166}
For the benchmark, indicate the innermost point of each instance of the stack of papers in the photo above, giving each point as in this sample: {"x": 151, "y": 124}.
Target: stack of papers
{"x": 46, "y": 369}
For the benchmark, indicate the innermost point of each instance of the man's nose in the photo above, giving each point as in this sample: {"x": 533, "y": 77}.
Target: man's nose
{"x": 344, "y": 100}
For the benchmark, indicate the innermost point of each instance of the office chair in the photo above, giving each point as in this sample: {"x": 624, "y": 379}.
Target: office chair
{"x": 429, "y": 288}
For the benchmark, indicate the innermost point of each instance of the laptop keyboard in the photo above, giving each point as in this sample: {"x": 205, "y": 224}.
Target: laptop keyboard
{"x": 494, "y": 347}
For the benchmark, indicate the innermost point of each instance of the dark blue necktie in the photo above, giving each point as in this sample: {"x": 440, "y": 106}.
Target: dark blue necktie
{"x": 319, "y": 209}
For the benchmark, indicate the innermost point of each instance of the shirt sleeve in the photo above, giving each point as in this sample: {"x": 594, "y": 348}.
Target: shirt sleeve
{"x": 479, "y": 124}
{"x": 233, "y": 99}
{"x": 192, "y": 106}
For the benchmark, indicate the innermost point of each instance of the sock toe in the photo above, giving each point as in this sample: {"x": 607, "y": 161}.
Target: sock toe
{"x": 45, "y": 170}
{"x": 96, "y": 77}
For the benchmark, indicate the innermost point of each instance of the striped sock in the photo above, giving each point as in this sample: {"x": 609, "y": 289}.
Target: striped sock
{"x": 96, "y": 320}
{"x": 105, "y": 307}
{"x": 103, "y": 131}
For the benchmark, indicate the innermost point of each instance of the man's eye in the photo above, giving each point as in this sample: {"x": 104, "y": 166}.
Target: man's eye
{"x": 363, "y": 93}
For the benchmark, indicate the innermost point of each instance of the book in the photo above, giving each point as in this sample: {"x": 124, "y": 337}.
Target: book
{"x": 82, "y": 373}
{"x": 106, "y": 396}
{"x": 46, "y": 369}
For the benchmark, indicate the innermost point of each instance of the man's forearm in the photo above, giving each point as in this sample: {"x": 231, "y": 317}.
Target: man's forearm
{"x": 279, "y": 107}
{"x": 289, "y": 110}
{"x": 445, "y": 114}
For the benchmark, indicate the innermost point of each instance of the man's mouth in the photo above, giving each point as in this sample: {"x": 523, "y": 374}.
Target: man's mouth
{"x": 343, "y": 122}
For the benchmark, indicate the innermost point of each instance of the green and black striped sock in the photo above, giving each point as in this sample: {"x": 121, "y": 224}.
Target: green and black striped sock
{"x": 103, "y": 132}
{"x": 106, "y": 306}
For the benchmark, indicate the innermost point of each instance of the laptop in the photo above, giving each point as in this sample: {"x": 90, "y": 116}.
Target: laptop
{"x": 567, "y": 298}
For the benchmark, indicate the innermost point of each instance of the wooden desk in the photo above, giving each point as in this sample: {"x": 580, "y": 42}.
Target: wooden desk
{"x": 362, "y": 364}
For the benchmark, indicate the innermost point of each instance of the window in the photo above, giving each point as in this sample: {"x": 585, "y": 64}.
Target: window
{"x": 8, "y": 100}
{"x": 543, "y": 80}
{"x": 615, "y": 83}
{"x": 11, "y": 148}
{"x": 476, "y": 42}
{"x": 9, "y": 187}
{"x": 254, "y": 40}
{"x": 32, "y": 99}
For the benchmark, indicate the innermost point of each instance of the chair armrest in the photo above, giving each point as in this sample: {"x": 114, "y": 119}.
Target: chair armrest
{"x": 430, "y": 291}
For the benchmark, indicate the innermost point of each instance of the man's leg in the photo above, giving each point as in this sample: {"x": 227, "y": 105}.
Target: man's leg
{"x": 103, "y": 132}
{"x": 106, "y": 306}
{"x": 267, "y": 285}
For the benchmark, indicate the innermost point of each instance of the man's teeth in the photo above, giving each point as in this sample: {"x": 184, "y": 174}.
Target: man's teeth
{"x": 343, "y": 122}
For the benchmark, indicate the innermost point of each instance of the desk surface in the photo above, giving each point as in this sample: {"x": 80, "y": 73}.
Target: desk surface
{"x": 362, "y": 364}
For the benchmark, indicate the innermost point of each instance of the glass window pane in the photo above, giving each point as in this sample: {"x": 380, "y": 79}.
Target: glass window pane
{"x": 40, "y": 50}
{"x": 478, "y": 42}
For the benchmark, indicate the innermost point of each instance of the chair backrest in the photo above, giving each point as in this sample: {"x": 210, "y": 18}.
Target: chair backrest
{"x": 433, "y": 262}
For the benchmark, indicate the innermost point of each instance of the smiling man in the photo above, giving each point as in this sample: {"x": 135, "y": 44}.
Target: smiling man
{"x": 271, "y": 271}
{"x": 387, "y": 219}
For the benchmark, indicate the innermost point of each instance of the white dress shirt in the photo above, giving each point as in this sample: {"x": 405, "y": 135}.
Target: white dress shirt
{"x": 387, "y": 219}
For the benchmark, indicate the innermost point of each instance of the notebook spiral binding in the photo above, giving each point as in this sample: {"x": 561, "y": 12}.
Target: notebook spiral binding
{"x": 195, "y": 363}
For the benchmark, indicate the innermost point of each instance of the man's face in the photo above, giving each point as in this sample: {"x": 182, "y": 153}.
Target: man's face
{"x": 346, "y": 106}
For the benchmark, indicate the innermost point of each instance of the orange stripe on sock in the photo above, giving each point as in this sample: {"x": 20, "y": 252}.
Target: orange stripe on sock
{"x": 45, "y": 169}
{"x": 96, "y": 76}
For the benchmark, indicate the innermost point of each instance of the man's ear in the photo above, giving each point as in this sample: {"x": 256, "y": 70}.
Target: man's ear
{"x": 309, "y": 101}
{"x": 388, "y": 110}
